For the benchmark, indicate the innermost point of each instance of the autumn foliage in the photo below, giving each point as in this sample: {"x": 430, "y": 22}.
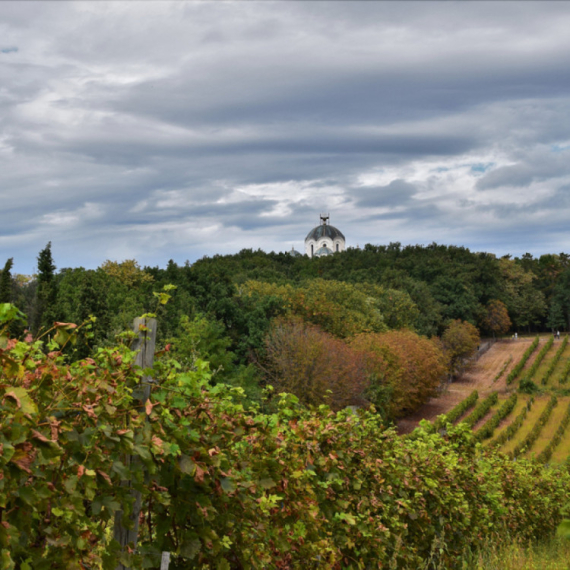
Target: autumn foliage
{"x": 410, "y": 366}
{"x": 496, "y": 318}
{"x": 312, "y": 364}
{"x": 460, "y": 340}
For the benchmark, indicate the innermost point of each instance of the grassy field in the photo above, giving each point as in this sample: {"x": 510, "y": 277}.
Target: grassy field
{"x": 543, "y": 367}
{"x": 521, "y": 403}
{"x": 537, "y": 408}
{"x": 482, "y": 376}
{"x": 548, "y": 431}
{"x": 562, "y": 451}
{"x": 489, "y": 414}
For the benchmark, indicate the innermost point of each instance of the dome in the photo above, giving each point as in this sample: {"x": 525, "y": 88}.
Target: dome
{"x": 323, "y": 251}
{"x": 324, "y": 239}
{"x": 295, "y": 253}
{"x": 324, "y": 230}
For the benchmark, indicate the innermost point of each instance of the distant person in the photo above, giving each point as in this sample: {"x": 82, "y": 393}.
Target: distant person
{"x": 558, "y": 335}
{"x": 516, "y": 336}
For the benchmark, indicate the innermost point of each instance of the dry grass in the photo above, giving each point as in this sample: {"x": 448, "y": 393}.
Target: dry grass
{"x": 553, "y": 555}
{"x": 479, "y": 377}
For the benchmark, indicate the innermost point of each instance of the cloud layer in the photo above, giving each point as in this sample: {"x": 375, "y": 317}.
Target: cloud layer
{"x": 162, "y": 130}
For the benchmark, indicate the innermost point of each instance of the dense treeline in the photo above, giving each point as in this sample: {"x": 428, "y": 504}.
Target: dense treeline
{"x": 225, "y": 309}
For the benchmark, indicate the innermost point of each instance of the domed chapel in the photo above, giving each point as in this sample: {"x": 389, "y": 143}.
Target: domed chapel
{"x": 324, "y": 239}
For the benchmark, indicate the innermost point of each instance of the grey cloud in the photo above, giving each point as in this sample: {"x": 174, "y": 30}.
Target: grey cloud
{"x": 397, "y": 193}
{"x": 539, "y": 165}
{"x": 115, "y": 105}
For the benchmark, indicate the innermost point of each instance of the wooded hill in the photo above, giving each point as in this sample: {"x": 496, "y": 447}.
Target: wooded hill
{"x": 229, "y": 310}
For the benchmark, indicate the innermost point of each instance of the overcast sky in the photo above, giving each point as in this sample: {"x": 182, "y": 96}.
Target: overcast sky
{"x": 159, "y": 130}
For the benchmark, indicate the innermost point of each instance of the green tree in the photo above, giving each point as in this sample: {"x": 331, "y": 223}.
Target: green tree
{"x": 46, "y": 291}
{"x": 557, "y": 318}
{"x": 526, "y": 304}
{"x": 560, "y": 306}
{"x": 460, "y": 341}
{"x": 6, "y": 282}
{"x": 456, "y": 297}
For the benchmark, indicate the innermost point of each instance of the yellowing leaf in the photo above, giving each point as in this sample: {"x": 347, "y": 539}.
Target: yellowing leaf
{"x": 22, "y": 399}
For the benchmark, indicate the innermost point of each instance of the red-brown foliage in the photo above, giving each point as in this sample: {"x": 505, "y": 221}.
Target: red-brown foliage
{"x": 315, "y": 366}
{"x": 404, "y": 369}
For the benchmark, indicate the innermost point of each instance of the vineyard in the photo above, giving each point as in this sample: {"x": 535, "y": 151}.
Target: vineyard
{"x": 516, "y": 399}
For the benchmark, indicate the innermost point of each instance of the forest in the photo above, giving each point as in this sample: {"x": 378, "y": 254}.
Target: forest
{"x": 266, "y": 439}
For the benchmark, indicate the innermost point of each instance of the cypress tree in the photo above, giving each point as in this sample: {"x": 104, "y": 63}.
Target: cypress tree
{"x": 6, "y": 282}
{"x": 46, "y": 294}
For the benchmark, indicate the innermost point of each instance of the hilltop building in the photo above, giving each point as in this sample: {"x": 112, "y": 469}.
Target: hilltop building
{"x": 324, "y": 239}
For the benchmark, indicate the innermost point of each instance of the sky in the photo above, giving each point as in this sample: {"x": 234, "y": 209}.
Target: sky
{"x": 174, "y": 130}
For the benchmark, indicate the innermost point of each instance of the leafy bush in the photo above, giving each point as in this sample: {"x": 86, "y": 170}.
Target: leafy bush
{"x": 527, "y": 443}
{"x": 514, "y": 373}
{"x": 555, "y": 361}
{"x": 224, "y": 487}
{"x": 488, "y": 429}
{"x": 527, "y": 386}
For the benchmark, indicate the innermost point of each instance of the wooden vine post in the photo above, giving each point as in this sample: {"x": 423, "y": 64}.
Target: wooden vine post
{"x": 145, "y": 344}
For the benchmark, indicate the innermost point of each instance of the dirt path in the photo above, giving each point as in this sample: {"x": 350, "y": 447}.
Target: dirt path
{"x": 480, "y": 377}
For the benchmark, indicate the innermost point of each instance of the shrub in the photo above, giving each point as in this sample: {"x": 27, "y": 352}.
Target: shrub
{"x": 539, "y": 358}
{"x": 565, "y": 373}
{"x": 224, "y": 487}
